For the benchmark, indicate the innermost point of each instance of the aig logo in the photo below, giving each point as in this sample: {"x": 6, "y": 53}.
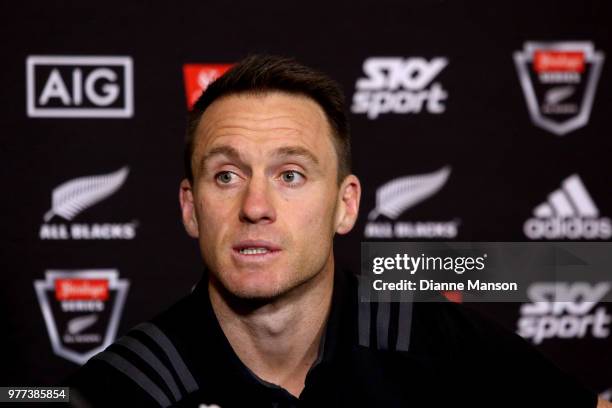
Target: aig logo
{"x": 79, "y": 87}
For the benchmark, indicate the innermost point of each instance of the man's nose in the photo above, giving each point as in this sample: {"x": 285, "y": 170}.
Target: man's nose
{"x": 257, "y": 206}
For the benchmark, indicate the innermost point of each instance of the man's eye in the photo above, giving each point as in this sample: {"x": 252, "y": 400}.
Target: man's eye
{"x": 292, "y": 177}
{"x": 225, "y": 177}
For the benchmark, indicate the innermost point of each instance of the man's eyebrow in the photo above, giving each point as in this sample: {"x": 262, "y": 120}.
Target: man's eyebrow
{"x": 223, "y": 150}
{"x": 290, "y": 151}
{"x": 281, "y": 152}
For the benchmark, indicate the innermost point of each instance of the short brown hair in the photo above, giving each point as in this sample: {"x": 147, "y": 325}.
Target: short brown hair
{"x": 264, "y": 73}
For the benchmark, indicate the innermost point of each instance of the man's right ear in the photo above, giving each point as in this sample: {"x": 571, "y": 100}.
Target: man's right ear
{"x": 190, "y": 220}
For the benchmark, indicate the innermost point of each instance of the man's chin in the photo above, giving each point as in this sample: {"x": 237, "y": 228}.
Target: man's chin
{"x": 260, "y": 290}
{"x": 250, "y": 285}
{"x": 258, "y": 285}
{"x": 250, "y": 298}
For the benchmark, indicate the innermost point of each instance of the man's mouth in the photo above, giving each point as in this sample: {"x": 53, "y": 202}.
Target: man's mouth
{"x": 256, "y": 248}
{"x": 254, "y": 251}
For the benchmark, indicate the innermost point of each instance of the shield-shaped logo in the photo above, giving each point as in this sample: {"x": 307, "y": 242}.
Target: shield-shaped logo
{"x": 559, "y": 80}
{"x": 82, "y": 309}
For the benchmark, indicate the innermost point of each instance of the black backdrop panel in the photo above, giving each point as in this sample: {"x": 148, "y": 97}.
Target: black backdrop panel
{"x": 503, "y": 110}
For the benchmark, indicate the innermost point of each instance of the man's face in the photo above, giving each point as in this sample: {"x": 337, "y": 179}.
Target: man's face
{"x": 265, "y": 202}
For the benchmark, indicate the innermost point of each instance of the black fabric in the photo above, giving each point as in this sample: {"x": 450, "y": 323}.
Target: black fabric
{"x": 456, "y": 358}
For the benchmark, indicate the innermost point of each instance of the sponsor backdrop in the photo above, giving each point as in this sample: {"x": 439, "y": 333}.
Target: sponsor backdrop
{"x": 470, "y": 122}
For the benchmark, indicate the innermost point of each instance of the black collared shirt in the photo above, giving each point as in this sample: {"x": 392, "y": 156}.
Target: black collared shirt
{"x": 372, "y": 355}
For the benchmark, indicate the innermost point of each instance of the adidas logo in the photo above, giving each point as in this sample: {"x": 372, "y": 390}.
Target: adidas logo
{"x": 568, "y": 213}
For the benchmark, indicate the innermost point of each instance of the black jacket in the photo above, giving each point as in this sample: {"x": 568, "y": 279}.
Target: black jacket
{"x": 372, "y": 355}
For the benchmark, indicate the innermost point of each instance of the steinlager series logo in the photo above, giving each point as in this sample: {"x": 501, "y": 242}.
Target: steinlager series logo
{"x": 82, "y": 310}
{"x": 559, "y": 80}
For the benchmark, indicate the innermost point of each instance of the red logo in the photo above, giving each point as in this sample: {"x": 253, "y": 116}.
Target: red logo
{"x": 81, "y": 289}
{"x": 558, "y": 61}
{"x": 454, "y": 296}
{"x": 198, "y": 77}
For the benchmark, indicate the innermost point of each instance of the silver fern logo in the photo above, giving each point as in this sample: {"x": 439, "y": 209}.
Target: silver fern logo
{"x": 78, "y": 324}
{"x": 399, "y": 195}
{"x": 72, "y": 197}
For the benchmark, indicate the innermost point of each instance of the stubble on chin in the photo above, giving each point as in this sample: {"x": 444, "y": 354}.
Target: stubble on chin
{"x": 240, "y": 296}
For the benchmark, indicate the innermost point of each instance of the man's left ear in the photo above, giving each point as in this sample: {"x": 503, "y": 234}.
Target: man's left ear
{"x": 348, "y": 205}
{"x": 188, "y": 212}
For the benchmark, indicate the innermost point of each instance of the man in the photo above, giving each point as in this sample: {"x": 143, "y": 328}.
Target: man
{"x": 274, "y": 322}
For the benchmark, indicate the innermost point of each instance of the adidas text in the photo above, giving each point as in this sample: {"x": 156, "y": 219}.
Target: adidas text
{"x": 568, "y": 228}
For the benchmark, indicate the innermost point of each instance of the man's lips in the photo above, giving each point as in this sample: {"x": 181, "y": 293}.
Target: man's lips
{"x": 255, "y": 250}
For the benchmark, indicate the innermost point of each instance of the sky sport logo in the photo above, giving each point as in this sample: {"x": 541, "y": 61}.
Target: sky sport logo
{"x": 398, "y": 195}
{"x": 568, "y": 213}
{"x": 197, "y": 77}
{"x": 82, "y": 310}
{"x": 559, "y": 81}
{"x": 400, "y": 85}
{"x": 79, "y": 87}
{"x": 565, "y": 311}
{"x": 72, "y": 197}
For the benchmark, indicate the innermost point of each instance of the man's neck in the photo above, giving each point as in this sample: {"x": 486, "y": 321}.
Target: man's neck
{"x": 279, "y": 341}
